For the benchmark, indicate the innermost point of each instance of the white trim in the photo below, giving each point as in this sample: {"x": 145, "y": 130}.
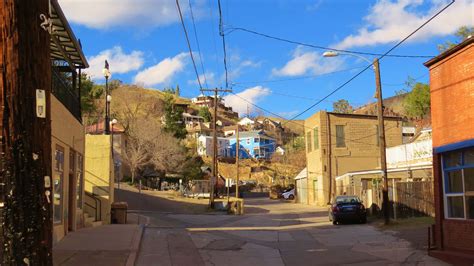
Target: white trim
{"x": 392, "y": 170}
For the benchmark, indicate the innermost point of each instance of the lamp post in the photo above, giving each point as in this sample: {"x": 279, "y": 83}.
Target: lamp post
{"x": 108, "y": 98}
{"x": 112, "y": 123}
{"x": 381, "y": 124}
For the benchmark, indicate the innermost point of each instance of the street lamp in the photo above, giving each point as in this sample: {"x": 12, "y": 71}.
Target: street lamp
{"x": 112, "y": 123}
{"x": 380, "y": 118}
{"x": 108, "y": 98}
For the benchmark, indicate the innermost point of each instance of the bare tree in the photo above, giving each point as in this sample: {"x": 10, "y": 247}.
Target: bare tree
{"x": 168, "y": 154}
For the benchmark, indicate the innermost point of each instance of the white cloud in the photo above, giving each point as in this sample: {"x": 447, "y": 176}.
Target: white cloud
{"x": 103, "y": 14}
{"x": 253, "y": 95}
{"x": 163, "y": 71}
{"x": 389, "y": 22}
{"x": 304, "y": 62}
{"x": 119, "y": 62}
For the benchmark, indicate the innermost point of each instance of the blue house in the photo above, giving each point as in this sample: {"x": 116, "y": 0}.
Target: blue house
{"x": 253, "y": 144}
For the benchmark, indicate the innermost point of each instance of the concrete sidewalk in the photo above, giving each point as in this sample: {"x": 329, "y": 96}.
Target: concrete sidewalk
{"x": 104, "y": 245}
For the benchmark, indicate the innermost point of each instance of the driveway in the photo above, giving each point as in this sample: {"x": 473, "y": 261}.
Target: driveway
{"x": 270, "y": 233}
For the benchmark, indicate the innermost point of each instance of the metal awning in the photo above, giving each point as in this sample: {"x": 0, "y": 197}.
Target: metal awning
{"x": 64, "y": 45}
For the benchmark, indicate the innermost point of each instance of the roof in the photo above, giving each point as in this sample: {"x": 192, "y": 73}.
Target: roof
{"x": 302, "y": 174}
{"x": 64, "y": 45}
{"x": 251, "y": 134}
{"x": 445, "y": 54}
{"x": 366, "y": 116}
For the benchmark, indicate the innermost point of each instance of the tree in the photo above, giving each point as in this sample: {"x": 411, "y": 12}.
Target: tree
{"x": 342, "y": 106}
{"x": 174, "y": 118}
{"x": 205, "y": 113}
{"x": 91, "y": 94}
{"x": 462, "y": 33}
{"x": 136, "y": 153}
{"x": 417, "y": 103}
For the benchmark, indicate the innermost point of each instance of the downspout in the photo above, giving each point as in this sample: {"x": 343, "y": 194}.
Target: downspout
{"x": 328, "y": 136}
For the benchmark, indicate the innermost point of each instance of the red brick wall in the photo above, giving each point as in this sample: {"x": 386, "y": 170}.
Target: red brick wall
{"x": 458, "y": 234}
{"x": 452, "y": 97}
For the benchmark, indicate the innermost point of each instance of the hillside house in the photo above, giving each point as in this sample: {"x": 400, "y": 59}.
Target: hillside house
{"x": 205, "y": 148}
{"x": 340, "y": 143}
{"x": 452, "y": 93}
{"x": 246, "y": 122}
{"x": 253, "y": 144}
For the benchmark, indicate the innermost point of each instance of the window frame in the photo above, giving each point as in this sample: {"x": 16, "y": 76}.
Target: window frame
{"x": 464, "y": 194}
{"x": 58, "y": 175}
{"x": 341, "y": 138}
{"x": 316, "y": 138}
{"x": 309, "y": 143}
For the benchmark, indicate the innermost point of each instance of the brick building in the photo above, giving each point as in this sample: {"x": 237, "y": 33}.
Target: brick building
{"x": 452, "y": 112}
{"x": 340, "y": 143}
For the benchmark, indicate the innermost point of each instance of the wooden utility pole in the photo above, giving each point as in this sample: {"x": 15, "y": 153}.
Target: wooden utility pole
{"x": 237, "y": 157}
{"x": 215, "y": 172}
{"x": 383, "y": 157}
{"x": 25, "y": 135}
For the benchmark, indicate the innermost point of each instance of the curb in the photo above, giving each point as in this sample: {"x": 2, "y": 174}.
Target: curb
{"x": 137, "y": 239}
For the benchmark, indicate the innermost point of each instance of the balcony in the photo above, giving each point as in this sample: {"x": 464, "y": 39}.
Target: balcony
{"x": 65, "y": 90}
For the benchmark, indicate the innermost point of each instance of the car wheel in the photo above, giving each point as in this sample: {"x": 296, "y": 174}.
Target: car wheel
{"x": 334, "y": 222}
{"x": 291, "y": 197}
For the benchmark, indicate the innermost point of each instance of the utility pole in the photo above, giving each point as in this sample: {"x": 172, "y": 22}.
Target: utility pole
{"x": 25, "y": 150}
{"x": 215, "y": 171}
{"x": 237, "y": 157}
{"x": 383, "y": 156}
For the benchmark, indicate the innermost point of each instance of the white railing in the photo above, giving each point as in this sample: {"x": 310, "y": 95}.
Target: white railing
{"x": 411, "y": 153}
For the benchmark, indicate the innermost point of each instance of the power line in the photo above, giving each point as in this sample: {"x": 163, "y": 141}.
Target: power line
{"x": 382, "y": 56}
{"x": 213, "y": 28}
{"x": 298, "y": 78}
{"x": 221, "y": 32}
{"x": 305, "y": 127}
{"x": 232, "y": 29}
{"x": 198, "y": 46}
{"x": 189, "y": 44}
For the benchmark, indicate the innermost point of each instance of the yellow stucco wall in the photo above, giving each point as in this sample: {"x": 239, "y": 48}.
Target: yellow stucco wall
{"x": 99, "y": 172}
{"x": 67, "y": 134}
{"x": 361, "y": 151}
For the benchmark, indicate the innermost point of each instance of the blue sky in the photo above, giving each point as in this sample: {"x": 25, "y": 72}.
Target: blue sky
{"x": 144, "y": 42}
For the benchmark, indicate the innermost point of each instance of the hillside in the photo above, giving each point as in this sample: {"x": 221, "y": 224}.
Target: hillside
{"x": 393, "y": 107}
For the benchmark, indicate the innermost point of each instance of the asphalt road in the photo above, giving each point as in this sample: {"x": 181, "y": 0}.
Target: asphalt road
{"x": 274, "y": 233}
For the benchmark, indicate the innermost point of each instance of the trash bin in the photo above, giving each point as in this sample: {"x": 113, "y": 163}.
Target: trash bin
{"x": 119, "y": 212}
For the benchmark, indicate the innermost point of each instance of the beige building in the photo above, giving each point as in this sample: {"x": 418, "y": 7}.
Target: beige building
{"x": 340, "y": 143}
{"x": 67, "y": 130}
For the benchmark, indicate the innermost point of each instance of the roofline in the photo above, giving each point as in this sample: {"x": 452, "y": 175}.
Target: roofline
{"x": 66, "y": 25}
{"x": 449, "y": 52}
{"x": 368, "y": 116}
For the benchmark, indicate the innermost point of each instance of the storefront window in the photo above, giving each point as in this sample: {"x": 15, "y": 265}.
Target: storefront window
{"x": 459, "y": 184}
{"x": 58, "y": 185}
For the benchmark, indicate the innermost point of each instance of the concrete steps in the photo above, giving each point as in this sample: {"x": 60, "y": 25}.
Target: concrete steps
{"x": 90, "y": 221}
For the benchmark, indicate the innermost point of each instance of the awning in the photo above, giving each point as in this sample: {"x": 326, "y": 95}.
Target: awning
{"x": 64, "y": 45}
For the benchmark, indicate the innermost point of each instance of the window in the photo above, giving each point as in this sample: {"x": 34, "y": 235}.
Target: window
{"x": 80, "y": 181}
{"x": 58, "y": 185}
{"x": 340, "y": 136}
{"x": 316, "y": 138}
{"x": 458, "y": 178}
{"x": 248, "y": 141}
{"x": 308, "y": 141}
{"x": 256, "y": 140}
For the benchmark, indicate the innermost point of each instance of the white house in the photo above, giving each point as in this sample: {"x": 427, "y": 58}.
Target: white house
{"x": 280, "y": 150}
{"x": 246, "y": 121}
{"x": 204, "y": 147}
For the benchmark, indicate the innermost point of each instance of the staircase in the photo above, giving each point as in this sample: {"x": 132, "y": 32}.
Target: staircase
{"x": 90, "y": 221}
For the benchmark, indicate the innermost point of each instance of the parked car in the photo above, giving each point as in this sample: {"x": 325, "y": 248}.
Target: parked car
{"x": 288, "y": 194}
{"x": 347, "y": 208}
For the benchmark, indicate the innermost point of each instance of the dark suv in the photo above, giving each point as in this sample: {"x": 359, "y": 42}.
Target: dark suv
{"x": 347, "y": 208}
